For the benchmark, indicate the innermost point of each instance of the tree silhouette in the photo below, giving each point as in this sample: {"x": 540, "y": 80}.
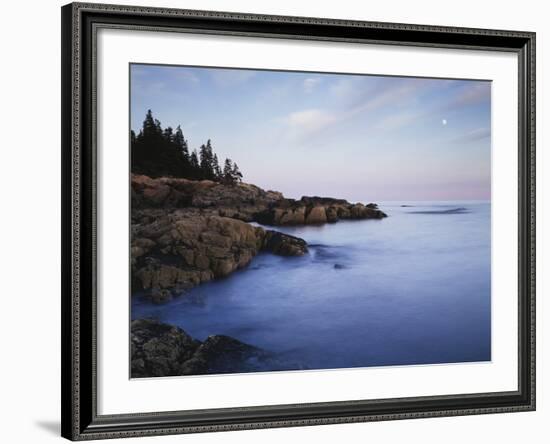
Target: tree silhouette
{"x": 158, "y": 152}
{"x": 149, "y": 126}
{"x": 217, "y": 169}
{"x": 181, "y": 143}
{"x": 231, "y": 174}
{"x": 168, "y": 134}
{"x": 194, "y": 160}
{"x": 236, "y": 173}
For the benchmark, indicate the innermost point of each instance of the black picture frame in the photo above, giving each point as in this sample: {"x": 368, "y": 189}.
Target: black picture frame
{"x": 80, "y": 420}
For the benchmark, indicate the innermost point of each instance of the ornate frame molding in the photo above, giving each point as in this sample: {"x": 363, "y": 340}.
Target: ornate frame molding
{"x": 80, "y": 22}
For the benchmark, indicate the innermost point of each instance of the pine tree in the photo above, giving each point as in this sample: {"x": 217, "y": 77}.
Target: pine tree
{"x": 194, "y": 160}
{"x": 204, "y": 163}
{"x": 227, "y": 169}
{"x": 236, "y": 174}
{"x": 217, "y": 169}
{"x": 181, "y": 143}
{"x": 159, "y": 152}
{"x": 145, "y": 146}
{"x": 149, "y": 125}
{"x": 209, "y": 148}
{"x": 168, "y": 134}
{"x": 154, "y": 152}
{"x": 158, "y": 127}
{"x": 207, "y": 161}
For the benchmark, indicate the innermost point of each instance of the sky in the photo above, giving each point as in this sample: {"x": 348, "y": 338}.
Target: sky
{"x": 357, "y": 137}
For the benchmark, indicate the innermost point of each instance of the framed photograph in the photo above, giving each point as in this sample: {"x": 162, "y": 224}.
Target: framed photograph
{"x": 281, "y": 221}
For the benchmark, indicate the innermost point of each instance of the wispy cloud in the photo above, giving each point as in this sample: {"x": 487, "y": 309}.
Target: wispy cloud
{"x": 398, "y": 120}
{"x": 310, "y": 120}
{"x": 377, "y": 92}
{"x": 358, "y": 96}
{"x": 471, "y": 93}
{"x": 472, "y": 136}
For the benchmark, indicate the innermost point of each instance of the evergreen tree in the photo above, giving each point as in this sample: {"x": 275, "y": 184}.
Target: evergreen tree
{"x": 159, "y": 152}
{"x": 207, "y": 161}
{"x": 194, "y": 160}
{"x": 154, "y": 152}
{"x": 149, "y": 126}
{"x": 236, "y": 174}
{"x": 158, "y": 127}
{"x": 204, "y": 164}
{"x": 168, "y": 134}
{"x": 227, "y": 169}
{"x": 181, "y": 143}
{"x": 217, "y": 169}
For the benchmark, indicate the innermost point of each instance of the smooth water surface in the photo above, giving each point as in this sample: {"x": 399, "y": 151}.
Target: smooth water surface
{"x": 413, "y": 288}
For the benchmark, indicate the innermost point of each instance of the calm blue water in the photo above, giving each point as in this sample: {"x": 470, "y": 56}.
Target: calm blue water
{"x": 413, "y": 288}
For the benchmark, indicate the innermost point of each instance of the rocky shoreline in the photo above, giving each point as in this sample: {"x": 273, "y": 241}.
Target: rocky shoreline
{"x": 160, "y": 349}
{"x": 187, "y": 232}
{"x": 245, "y": 202}
{"x": 175, "y": 251}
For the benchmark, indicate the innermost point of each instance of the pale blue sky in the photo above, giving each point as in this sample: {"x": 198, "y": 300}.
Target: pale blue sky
{"x": 363, "y": 138}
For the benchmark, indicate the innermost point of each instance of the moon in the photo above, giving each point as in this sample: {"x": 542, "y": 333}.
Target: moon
{"x": 444, "y": 121}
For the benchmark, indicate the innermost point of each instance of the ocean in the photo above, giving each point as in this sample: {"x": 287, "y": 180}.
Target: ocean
{"x": 413, "y": 288}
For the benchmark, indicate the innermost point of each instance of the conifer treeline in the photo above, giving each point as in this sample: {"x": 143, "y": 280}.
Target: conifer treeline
{"x": 160, "y": 152}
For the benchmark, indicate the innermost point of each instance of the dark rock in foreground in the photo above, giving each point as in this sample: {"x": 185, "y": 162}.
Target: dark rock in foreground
{"x": 159, "y": 349}
{"x": 163, "y": 350}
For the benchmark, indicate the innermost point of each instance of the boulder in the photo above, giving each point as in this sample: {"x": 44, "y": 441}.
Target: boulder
{"x": 159, "y": 349}
{"x": 293, "y": 216}
{"x": 181, "y": 249}
{"x": 332, "y": 214}
{"x": 284, "y": 244}
{"x": 224, "y": 354}
{"x": 317, "y": 215}
{"x": 158, "y": 296}
{"x": 358, "y": 211}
